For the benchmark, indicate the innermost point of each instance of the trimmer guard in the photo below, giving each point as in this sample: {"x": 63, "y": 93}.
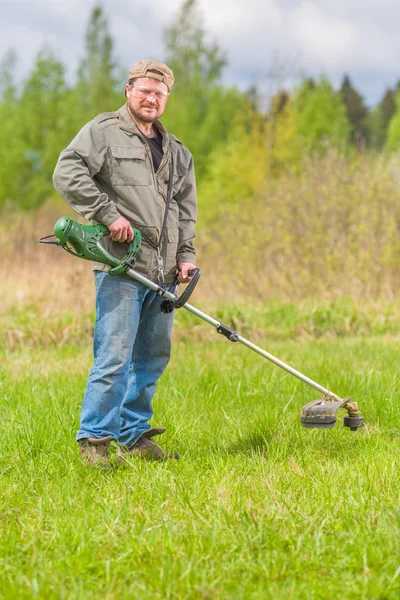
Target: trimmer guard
{"x": 321, "y": 413}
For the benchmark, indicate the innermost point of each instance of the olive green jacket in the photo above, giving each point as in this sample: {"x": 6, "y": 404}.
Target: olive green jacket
{"x": 107, "y": 171}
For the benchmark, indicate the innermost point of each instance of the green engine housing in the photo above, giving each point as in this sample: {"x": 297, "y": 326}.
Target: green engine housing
{"x": 84, "y": 241}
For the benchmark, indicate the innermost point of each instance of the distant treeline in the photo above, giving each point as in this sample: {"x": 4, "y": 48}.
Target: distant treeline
{"x": 236, "y": 143}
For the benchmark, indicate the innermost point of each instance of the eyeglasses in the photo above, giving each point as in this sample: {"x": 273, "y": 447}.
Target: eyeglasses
{"x": 144, "y": 92}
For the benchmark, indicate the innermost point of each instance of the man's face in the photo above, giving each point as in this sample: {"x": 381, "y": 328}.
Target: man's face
{"x": 147, "y": 99}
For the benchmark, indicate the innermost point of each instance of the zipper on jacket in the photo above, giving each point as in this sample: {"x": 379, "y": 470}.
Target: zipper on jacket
{"x": 157, "y": 247}
{"x": 167, "y": 199}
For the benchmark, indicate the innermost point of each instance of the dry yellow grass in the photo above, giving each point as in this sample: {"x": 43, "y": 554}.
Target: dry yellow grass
{"x": 331, "y": 231}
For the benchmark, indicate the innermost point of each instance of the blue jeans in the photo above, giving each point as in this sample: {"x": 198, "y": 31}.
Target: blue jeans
{"x": 132, "y": 347}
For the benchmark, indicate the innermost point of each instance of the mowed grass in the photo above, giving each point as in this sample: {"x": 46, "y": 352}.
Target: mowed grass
{"x": 257, "y": 507}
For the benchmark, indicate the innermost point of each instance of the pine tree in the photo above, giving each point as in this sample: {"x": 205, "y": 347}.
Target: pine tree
{"x": 41, "y": 107}
{"x": 96, "y": 88}
{"x": 193, "y": 59}
{"x": 388, "y": 107}
{"x": 31, "y": 120}
{"x": 10, "y": 154}
{"x": 200, "y": 111}
{"x": 7, "y": 84}
{"x": 379, "y": 119}
{"x": 279, "y": 102}
{"x": 356, "y": 112}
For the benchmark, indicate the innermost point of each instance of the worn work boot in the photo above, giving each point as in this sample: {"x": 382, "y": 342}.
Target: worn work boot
{"x": 94, "y": 451}
{"x": 147, "y": 448}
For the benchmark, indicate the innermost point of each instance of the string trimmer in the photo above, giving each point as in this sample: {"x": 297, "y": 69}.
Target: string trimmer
{"x": 84, "y": 241}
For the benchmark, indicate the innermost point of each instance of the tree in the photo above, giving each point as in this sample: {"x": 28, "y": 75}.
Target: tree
{"x": 312, "y": 121}
{"x": 32, "y": 122}
{"x": 48, "y": 114}
{"x": 393, "y": 132}
{"x": 200, "y": 111}
{"x": 356, "y": 112}
{"x": 96, "y": 88}
{"x": 41, "y": 107}
{"x": 7, "y": 83}
{"x": 237, "y": 171}
{"x": 388, "y": 107}
{"x": 279, "y": 102}
{"x": 379, "y": 119}
{"x": 10, "y": 154}
{"x": 320, "y": 115}
{"x": 192, "y": 58}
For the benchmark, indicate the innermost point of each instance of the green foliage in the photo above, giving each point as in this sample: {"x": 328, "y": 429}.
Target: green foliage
{"x": 32, "y": 123}
{"x": 11, "y": 155}
{"x": 46, "y": 114}
{"x": 376, "y": 128}
{"x": 393, "y": 133}
{"x": 311, "y": 122}
{"x": 319, "y": 116}
{"x": 237, "y": 170}
{"x": 388, "y": 107}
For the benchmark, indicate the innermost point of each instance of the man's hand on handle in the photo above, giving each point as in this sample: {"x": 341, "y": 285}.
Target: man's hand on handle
{"x": 183, "y": 276}
{"x": 121, "y": 230}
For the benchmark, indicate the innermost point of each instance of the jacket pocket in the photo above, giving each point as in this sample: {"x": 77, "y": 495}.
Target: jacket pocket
{"x": 128, "y": 166}
{"x": 180, "y": 171}
{"x": 172, "y": 248}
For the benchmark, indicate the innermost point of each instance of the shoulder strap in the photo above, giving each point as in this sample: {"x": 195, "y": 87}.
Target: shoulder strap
{"x": 168, "y": 200}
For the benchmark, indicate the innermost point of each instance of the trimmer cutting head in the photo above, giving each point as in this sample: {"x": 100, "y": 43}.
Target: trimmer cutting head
{"x": 321, "y": 413}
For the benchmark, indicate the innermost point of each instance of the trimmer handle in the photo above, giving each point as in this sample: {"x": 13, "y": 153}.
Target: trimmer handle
{"x": 167, "y": 306}
{"x": 195, "y": 274}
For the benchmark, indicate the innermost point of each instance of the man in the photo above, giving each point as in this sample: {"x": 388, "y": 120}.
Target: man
{"x": 123, "y": 169}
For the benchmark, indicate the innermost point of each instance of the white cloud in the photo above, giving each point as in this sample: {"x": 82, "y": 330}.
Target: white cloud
{"x": 359, "y": 37}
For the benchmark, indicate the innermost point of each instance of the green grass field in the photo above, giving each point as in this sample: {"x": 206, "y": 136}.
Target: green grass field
{"x": 257, "y": 507}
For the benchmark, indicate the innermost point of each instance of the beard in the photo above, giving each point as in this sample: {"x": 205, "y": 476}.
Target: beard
{"x": 144, "y": 118}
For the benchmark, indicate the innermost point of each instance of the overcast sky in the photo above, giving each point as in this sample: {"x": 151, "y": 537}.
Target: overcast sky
{"x": 260, "y": 37}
